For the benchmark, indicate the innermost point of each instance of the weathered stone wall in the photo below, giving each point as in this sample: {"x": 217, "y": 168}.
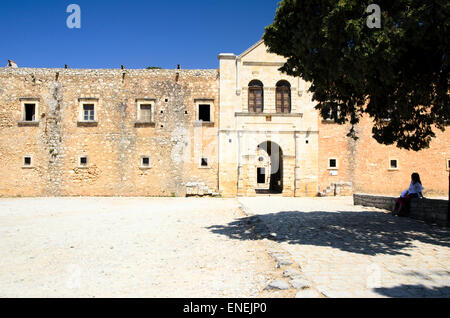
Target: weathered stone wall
{"x": 175, "y": 142}
{"x": 333, "y": 144}
{"x": 428, "y": 210}
{"x": 375, "y": 201}
{"x": 365, "y": 163}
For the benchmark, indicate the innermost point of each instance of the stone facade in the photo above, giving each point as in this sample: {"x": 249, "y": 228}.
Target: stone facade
{"x": 116, "y": 141}
{"x": 366, "y": 164}
{"x": 307, "y": 142}
{"x": 295, "y": 134}
{"x": 115, "y": 150}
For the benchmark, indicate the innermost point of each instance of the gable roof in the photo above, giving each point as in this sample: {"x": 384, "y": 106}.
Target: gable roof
{"x": 254, "y": 46}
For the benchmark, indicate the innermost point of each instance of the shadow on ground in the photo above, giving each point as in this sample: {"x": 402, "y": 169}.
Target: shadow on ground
{"x": 363, "y": 232}
{"x": 414, "y": 291}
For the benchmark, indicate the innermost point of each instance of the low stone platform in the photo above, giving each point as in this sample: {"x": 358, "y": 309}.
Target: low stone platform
{"x": 432, "y": 211}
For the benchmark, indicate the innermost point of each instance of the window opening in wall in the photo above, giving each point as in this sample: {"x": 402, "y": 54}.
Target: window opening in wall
{"x": 204, "y": 162}
{"x": 261, "y": 175}
{"x": 27, "y": 161}
{"x": 145, "y": 162}
{"x": 88, "y": 112}
{"x": 204, "y": 112}
{"x": 30, "y": 112}
{"x": 255, "y": 97}
{"x": 146, "y": 113}
{"x": 393, "y": 164}
{"x": 83, "y": 161}
{"x": 283, "y": 97}
{"x": 332, "y": 163}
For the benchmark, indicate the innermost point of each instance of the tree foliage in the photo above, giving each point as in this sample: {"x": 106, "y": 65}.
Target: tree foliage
{"x": 397, "y": 74}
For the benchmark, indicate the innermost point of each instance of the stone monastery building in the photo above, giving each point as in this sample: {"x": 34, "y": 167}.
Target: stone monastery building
{"x": 242, "y": 130}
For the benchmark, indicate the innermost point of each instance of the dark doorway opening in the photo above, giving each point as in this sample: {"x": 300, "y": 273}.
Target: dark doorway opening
{"x": 276, "y": 168}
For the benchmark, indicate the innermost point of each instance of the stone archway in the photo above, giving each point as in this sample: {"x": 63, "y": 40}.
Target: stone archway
{"x": 269, "y": 167}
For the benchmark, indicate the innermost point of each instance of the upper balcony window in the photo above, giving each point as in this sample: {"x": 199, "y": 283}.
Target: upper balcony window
{"x": 255, "y": 97}
{"x": 283, "y": 97}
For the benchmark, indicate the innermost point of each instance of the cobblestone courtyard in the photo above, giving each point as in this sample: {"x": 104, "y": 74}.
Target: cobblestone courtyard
{"x": 176, "y": 247}
{"x": 352, "y": 251}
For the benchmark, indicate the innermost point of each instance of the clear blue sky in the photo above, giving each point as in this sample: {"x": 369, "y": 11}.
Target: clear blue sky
{"x": 135, "y": 33}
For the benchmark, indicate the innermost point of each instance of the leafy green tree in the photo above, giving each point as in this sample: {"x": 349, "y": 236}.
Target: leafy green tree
{"x": 398, "y": 73}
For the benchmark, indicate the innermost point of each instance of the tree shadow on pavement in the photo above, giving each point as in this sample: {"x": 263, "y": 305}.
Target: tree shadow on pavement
{"x": 363, "y": 232}
{"x": 414, "y": 291}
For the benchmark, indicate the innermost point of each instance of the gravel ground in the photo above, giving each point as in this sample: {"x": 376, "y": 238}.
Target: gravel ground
{"x": 127, "y": 247}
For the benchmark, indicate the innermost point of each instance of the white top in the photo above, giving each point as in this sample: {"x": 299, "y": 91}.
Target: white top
{"x": 415, "y": 188}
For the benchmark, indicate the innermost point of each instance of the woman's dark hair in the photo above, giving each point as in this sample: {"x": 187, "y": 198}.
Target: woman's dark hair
{"x": 415, "y": 178}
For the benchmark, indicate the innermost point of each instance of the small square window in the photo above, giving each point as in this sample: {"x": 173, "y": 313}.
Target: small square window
{"x": 145, "y": 162}
{"x": 332, "y": 163}
{"x": 204, "y": 162}
{"x": 393, "y": 164}
{"x": 27, "y": 162}
{"x": 204, "y": 112}
{"x": 83, "y": 161}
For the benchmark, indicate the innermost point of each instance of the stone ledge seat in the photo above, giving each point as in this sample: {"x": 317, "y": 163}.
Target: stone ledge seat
{"x": 432, "y": 211}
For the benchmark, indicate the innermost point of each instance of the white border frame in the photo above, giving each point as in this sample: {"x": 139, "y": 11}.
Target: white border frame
{"x": 31, "y": 164}
{"x": 141, "y": 164}
{"x": 390, "y": 168}
{"x": 79, "y": 162}
{"x": 144, "y": 101}
{"x": 36, "y": 110}
{"x": 212, "y": 109}
{"x": 337, "y": 163}
{"x": 84, "y": 101}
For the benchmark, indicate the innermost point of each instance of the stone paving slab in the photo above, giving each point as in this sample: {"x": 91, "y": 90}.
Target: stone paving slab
{"x": 353, "y": 251}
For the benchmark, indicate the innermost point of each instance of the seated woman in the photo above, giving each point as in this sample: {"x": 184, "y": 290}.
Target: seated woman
{"x": 414, "y": 191}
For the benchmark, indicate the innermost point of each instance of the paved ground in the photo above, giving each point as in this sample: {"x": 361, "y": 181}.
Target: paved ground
{"x": 126, "y": 247}
{"x": 176, "y": 247}
{"x": 352, "y": 251}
